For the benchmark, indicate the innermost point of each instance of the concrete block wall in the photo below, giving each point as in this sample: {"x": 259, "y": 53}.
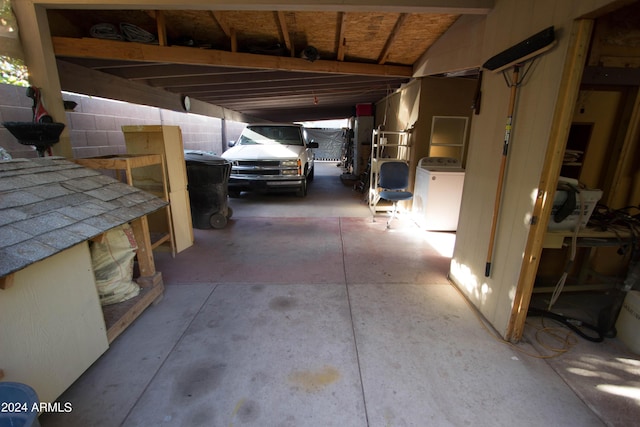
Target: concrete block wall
{"x": 95, "y": 125}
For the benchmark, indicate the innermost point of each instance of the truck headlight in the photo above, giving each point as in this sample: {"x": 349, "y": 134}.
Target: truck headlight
{"x": 289, "y": 163}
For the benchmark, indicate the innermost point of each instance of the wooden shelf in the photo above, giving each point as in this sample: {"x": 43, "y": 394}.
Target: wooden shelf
{"x": 118, "y": 317}
{"x": 121, "y": 162}
{"x": 587, "y": 237}
{"x": 157, "y": 239}
{"x": 165, "y": 141}
{"x": 129, "y": 162}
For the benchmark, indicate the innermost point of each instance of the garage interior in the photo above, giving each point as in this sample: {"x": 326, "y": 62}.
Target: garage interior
{"x": 382, "y": 301}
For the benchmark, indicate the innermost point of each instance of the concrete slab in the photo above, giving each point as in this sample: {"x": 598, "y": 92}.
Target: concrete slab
{"x": 105, "y": 394}
{"x": 606, "y": 375}
{"x": 261, "y": 355}
{"x": 403, "y": 254}
{"x": 274, "y": 345}
{"x": 425, "y": 360}
{"x": 261, "y": 250}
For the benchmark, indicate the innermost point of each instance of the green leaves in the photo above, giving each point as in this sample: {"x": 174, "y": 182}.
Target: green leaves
{"x": 13, "y": 72}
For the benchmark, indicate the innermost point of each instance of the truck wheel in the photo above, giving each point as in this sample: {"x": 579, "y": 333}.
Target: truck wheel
{"x": 311, "y": 174}
{"x": 302, "y": 191}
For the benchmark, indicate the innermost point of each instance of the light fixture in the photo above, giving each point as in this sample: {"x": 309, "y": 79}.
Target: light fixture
{"x": 186, "y": 103}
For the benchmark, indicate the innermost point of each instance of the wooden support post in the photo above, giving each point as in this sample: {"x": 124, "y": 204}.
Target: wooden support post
{"x": 570, "y": 84}
{"x": 43, "y": 71}
{"x": 146, "y": 263}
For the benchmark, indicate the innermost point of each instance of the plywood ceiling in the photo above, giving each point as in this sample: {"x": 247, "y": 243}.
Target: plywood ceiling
{"x": 255, "y": 62}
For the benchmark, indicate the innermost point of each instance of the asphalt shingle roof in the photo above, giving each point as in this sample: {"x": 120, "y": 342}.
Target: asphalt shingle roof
{"x": 50, "y": 204}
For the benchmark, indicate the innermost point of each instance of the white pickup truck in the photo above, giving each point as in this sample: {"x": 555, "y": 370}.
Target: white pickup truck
{"x": 271, "y": 157}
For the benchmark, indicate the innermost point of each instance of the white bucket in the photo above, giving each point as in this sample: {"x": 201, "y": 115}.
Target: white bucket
{"x": 628, "y": 323}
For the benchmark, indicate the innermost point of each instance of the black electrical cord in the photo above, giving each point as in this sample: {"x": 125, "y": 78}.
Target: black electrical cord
{"x": 574, "y": 324}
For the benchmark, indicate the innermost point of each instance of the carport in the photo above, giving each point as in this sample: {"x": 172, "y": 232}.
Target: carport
{"x": 304, "y": 312}
{"x": 402, "y": 345}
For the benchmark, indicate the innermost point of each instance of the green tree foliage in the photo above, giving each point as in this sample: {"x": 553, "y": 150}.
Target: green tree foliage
{"x": 13, "y": 72}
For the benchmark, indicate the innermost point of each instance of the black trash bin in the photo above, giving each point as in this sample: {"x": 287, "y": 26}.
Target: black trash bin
{"x": 208, "y": 178}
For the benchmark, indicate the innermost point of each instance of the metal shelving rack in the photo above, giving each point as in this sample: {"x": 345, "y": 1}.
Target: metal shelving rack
{"x": 385, "y": 146}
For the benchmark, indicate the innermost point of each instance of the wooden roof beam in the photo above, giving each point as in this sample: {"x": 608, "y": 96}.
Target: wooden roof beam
{"x": 394, "y": 33}
{"x": 158, "y": 16}
{"x": 162, "y": 28}
{"x": 117, "y": 50}
{"x": 455, "y": 7}
{"x": 282, "y": 21}
{"x": 226, "y": 29}
{"x": 265, "y": 78}
{"x": 340, "y": 40}
{"x": 234, "y": 89}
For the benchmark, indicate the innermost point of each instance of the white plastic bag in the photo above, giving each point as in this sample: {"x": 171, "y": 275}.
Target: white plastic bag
{"x": 112, "y": 261}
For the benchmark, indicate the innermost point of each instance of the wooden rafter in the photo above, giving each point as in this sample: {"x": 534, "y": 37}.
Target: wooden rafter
{"x": 282, "y": 21}
{"x": 158, "y": 16}
{"x": 226, "y": 29}
{"x": 116, "y": 50}
{"x": 222, "y": 23}
{"x": 340, "y": 40}
{"x": 162, "y": 28}
{"x": 387, "y": 47}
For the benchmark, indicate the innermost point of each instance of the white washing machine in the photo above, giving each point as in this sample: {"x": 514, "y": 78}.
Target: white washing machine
{"x": 437, "y": 193}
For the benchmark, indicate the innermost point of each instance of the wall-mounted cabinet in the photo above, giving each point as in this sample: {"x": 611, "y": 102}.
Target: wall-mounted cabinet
{"x": 448, "y": 137}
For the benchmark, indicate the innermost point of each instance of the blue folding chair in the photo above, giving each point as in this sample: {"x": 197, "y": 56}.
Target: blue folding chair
{"x": 393, "y": 181}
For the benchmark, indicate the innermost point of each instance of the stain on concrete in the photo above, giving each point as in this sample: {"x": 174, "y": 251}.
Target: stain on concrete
{"x": 314, "y": 381}
{"x": 259, "y": 379}
{"x": 201, "y": 416}
{"x": 249, "y": 411}
{"x": 283, "y": 303}
{"x": 257, "y": 288}
{"x": 198, "y": 379}
{"x": 215, "y": 322}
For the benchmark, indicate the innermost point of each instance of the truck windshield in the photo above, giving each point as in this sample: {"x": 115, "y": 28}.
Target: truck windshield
{"x": 284, "y": 135}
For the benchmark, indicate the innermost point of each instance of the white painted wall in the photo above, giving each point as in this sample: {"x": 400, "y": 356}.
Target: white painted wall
{"x": 52, "y": 327}
{"x": 510, "y": 22}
